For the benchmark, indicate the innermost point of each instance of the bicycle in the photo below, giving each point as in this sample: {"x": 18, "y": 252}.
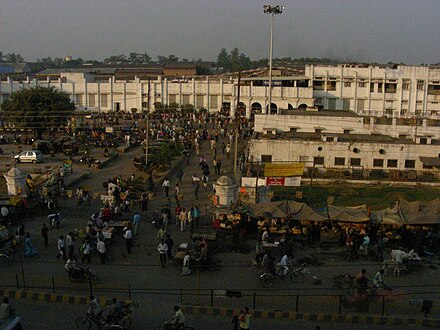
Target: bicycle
{"x": 295, "y": 274}
{"x": 6, "y": 256}
{"x": 87, "y": 320}
{"x": 167, "y": 325}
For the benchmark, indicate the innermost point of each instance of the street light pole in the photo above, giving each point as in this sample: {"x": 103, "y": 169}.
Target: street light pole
{"x": 272, "y": 10}
{"x": 147, "y": 124}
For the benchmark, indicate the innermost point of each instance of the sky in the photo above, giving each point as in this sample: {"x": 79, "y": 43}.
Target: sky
{"x": 351, "y": 30}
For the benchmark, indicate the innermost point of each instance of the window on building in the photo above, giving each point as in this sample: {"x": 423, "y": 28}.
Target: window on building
{"x": 403, "y": 111}
{"x": 418, "y": 112}
{"x": 360, "y": 104}
{"x": 379, "y": 87}
{"x": 331, "y": 85}
{"x": 186, "y": 99}
{"x": 404, "y": 101}
{"x": 347, "y": 131}
{"x": 345, "y": 104}
{"x": 405, "y": 85}
{"x": 266, "y": 158}
{"x": 347, "y": 84}
{"x": 78, "y": 100}
{"x": 172, "y": 98}
{"x": 371, "y": 87}
{"x": 213, "y": 101}
{"x": 434, "y": 89}
{"x": 423, "y": 141}
{"x": 330, "y": 139}
{"x": 355, "y": 162}
{"x": 144, "y": 105}
{"x": 318, "y": 85}
{"x": 318, "y": 160}
{"x": 92, "y": 100}
{"x": 362, "y": 84}
{"x": 390, "y": 88}
{"x": 389, "y": 111}
{"x": 104, "y": 100}
{"x": 392, "y": 163}
{"x": 420, "y": 85}
{"x": 410, "y": 163}
{"x": 377, "y": 162}
{"x": 339, "y": 161}
{"x": 419, "y": 102}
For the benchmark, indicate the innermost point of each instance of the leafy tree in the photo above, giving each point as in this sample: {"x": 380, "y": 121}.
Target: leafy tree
{"x": 162, "y": 59}
{"x": 12, "y": 58}
{"x": 146, "y": 58}
{"x": 116, "y": 59}
{"x": 38, "y": 109}
{"x": 224, "y": 60}
{"x": 173, "y": 58}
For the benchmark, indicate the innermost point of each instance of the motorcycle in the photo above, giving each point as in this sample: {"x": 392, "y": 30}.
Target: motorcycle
{"x": 54, "y": 220}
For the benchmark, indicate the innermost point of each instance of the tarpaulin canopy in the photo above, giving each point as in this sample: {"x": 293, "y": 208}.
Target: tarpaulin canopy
{"x": 348, "y": 214}
{"x": 418, "y": 213}
{"x": 388, "y": 216}
{"x": 284, "y": 209}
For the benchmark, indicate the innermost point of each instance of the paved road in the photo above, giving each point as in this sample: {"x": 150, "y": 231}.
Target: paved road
{"x": 142, "y": 270}
{"x": 62, "y": 316}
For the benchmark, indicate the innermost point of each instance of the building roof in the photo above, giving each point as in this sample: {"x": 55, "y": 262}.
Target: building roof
{"x": 180, "y": 65}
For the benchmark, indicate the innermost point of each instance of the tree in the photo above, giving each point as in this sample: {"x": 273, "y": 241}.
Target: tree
{"x": 224, "y": 60}
{"x": 38, "y": 109}
{"x": 146, "y": 58}
{"x": 13, "y": 58}
{"x": 162, "y": 59}
{"x": 173, "y": 58}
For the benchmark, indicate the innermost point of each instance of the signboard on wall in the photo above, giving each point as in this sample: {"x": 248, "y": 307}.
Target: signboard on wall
{"x": 287, "y": 182}
{"x": 284, "y": 170}
{"x": 251, "y": 182}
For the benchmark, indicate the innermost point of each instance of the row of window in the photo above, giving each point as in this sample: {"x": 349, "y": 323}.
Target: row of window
{"x": 378, "y": 162}
{"x": 389, "y": 87}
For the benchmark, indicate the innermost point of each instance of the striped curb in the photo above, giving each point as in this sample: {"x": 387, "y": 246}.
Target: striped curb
{"x": 49, "y": 297}
{"x": 319, "y": 317}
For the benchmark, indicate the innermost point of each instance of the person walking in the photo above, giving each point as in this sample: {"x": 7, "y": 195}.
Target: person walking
{"x": 245, "y": 319}
{"x": 163, "y": 249}
{"x": 61, "y": 248}
{"x": 185, "y": 267}
{"x": 166, "y": 184}
{"x": 182, "y": 218}
{"x": 177, "y": 192}
{"x": 196, "y": 215}
{"x": 219, "y": 165}
{"x": 170, "y": 243}
{"x": 86, "y": 252}
{"x": 179, "y": 176}
{"x": 45, "y": 234}
{"x": 70, "y": 243}
{"x": 29, "y": 250}
{"x": 136, "y": 221}
{"x": 128, "y": 235}
{"x": 228, "y": 151}
{"x": 100, "y": 247}
{"x": 144, "y": 202}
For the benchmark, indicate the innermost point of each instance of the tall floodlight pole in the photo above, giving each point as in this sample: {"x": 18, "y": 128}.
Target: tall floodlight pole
{"x": 272, "y": 10}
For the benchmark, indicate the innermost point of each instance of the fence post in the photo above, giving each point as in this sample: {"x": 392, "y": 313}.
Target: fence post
{"x": 340, "y": 305}
{"x": 383, "y": 305}
{"x": 22, "y": 272}
{"x": 212, "y": 298}
{"x": 254, "y": 304}
{"x": 129, "y": 291}
{"x": 53, "y": 284}
{"x": 297, "y": 303}
{"x": 16, "y": 280}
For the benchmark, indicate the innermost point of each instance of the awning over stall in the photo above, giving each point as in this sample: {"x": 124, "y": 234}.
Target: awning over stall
{"x": 418, "y": 213}
{"x": 348, "y": 214}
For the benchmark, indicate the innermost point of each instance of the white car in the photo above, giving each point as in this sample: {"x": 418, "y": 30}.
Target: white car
{"x": 33, "y": 156}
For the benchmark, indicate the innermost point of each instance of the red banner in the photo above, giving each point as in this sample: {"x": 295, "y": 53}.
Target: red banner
{"x": 274, "y": 181}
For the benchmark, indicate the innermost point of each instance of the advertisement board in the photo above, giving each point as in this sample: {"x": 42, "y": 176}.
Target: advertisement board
{"x": 284, "y": 170}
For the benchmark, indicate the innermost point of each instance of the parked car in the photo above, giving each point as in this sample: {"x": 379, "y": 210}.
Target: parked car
{"x": 33, "y": 156}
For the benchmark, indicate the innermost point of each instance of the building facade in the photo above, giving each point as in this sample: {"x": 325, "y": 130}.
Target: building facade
{"x": 404, "y": 91}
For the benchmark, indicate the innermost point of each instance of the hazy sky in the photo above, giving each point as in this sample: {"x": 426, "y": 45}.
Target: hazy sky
{"x": 355, "y": 30}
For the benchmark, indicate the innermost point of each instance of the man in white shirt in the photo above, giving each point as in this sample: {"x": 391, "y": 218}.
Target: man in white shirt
{"x": 100, "y": 247}
{"x": 128, "y": 239}
{"x": 285, "y": 264}
{"x": 162, "y": 248}
{"x": 166, "y": 184}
